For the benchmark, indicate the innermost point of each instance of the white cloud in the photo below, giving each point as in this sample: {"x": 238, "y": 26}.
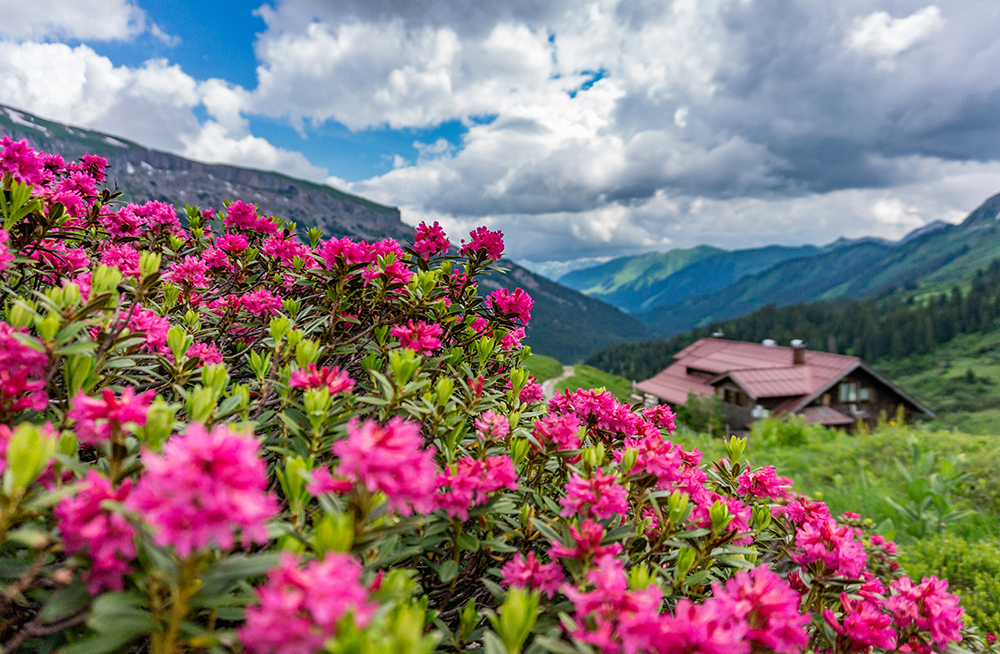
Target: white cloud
{"x": 101, "y": 20}
{"x": 884, "y": 36}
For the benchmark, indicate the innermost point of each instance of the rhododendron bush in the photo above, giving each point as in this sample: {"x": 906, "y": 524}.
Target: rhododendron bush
{"x": 215, "y": 436}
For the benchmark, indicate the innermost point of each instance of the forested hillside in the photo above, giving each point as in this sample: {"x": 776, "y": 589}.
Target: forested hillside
{"x": 894, "y": 327}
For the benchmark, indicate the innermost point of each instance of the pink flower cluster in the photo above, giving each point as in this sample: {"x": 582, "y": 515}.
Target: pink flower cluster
{"x": 517, "y": 304}
{"x": 865, "y": 624}
{"x": 21, "y": 367}
{"x": 105, "y": 535}
{"x": 471, "y": 481}
{"x": 822, "y": 540}
{"x": 190, "y": 272}
{"x": 661, "y": 416}
{"x": 430, "y": 240}
{"x": 559, "y": 431}
{"x": 929, "y": 606}
{"x": 123, "y": 257}
{"x": 491, "y": 426}
{"x": 334, "y": 380}
{"x": 763, "y": 483}
{"x": 285, "y": 249}
{"x": 418, "y": 336}
{"x": 98, "y": 419}
{"x": 770, "y": 608}
{"x": 483, "y": 239}
{"x": 206, "y": 352}
{"x": 390, "y": 459}
{"x": 6, "y": 258}
{"x": 600, "y": 496}
{"x": 529, "y": 572}
{"x": 261, "y": 302}
{"x": 243, "y": 216}
{"x": 586, "y": 543}
{"x": 298, "y": 608}
{"x": 152, "y": 326}
{"x": 19, "y": 160}
{"x": 205, "y": 485}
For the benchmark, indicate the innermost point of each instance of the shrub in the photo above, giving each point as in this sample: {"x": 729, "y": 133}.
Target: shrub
{"x": 972, "y": 569}
{"x": 703, "y": 414}
{"x": 218, "y": 438}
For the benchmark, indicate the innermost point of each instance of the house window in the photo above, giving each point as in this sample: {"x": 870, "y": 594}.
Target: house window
{"x": 849, "y": 392}
{"x": 864, "y": 394}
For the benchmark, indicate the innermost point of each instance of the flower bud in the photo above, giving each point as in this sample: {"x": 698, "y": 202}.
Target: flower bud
{"x": 149, "y": 263}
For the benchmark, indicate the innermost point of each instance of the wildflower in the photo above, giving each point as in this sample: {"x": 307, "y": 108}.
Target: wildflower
{"x": 323, "y": 482}
{"x": 558, "y": 430}
{"x": 661, "y": 416}
{"x": 484, "y": 239}
{"x": 216, "y": 258}
{"x": 491, "y": 426}
{"x": 286, "y": 249}
{"x": 334, "y": 380}
{"x": 18, "y": 362}
{"x": 512, "y": 339}
{"x": 20, "y": 161}
{"x": 471, "y": 481}
{"x": 241, "y": 215}
{"x": 770, "y": 607}
{"x": 600, "y": 496}
{"x": 351, "y": 252}
{"x": 522, "y": 572}
{"x": 419, "y": 336}
{"x": 232, "y": 243}
{"x": 428, "y": 241}
{"x": 823, "y": 540}
{"x": 532, "y": 392}
{"x": 123, "y": 257}
{"x": 517, "y": 304}
{"x": 706, "y": 628}
{"x": 930, "y": 606}
{"x": 155, "y": 328}
{"x": 261, "y": 302}
{"x": 126, "y": 222}
{"x": 389, "y": 459}
{"x": 206, "y": 352}
{"x": 586, "y": 543}
{"x": 105, "y": 535}
{"x": 190, "y": 272}
{"x": 763, "y": 483}
{"x": 98, "y": 419}
{"x": 205, "y": 485}
{"x": 865, "y": 625}
{"x": 298, "y": 609}
{"x": 6, "y": 258}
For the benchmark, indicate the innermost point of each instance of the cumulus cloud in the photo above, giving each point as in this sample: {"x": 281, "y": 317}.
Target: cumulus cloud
{"x": 884, "y": 36}
{"x": 101, "y": 20}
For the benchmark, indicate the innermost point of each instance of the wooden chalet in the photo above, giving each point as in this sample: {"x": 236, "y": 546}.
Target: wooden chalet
{"x": 754, "y": 380}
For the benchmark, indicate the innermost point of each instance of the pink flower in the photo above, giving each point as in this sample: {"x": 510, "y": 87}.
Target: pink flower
{"x": 560, "y": 431}
{"x": 190, "y": 272}
{"x": 661, "y": 416}
{"x": 491, "y": 426}
{"x": 471, "y": 481}
{"x": 98, "y": 419}
{"x": 706, "y": 628}
{"x": 390, "y": 460}
{"x": 298, "y": 609}
{"x": 5, "y": 434}
{"x": 612, "y": 617}
{"x": 6, "y": 258}
{"x": 232, "y": 243}
{"x": 206, "y": 352}
{"x": 286, "y": 249}
{"x": 123, "y": 257}
{"x": 531, "y": 393}
{"x": 241, "y": 215}
{"x": 126, "y": 222}
{"x": 517, "y": 305}
{"x": 600, "y": 496}
{"x": 521, "y": 572}
{"x": 105, "y": 535}
{"x": 418, "y": 336}
{"x": 334, "y": 380}
{"x": 823, "y": 540}
{"x": 262, "y": 302}
{"x": 351, "y": 252}
{"x": 930, "y": 606}
{"x": 484, "y": 239}
{"x": 430, "y": 240}
{"x": 18, "y": 362}
{"x": 586, "y": 543}
{"x": 865, "y": 625}
{"x": 323, "y": 482}
{"x": 20, "y": 161}
{"x": 205, "y": 485}
{"x": 763, "y": 483}
{"x": 155, "y": 328}
{"x": 770, "y": 607}
{"x": 512, "y": 339}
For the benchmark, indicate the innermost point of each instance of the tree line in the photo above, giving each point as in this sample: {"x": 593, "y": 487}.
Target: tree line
{"x": 894, "y": 326}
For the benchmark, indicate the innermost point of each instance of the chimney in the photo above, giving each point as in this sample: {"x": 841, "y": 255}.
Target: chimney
{"x": 798, "y": 352}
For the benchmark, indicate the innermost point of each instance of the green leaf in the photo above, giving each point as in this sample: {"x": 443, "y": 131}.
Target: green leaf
{"x": 219, "y": 580}
{"x": 448, "y": 571}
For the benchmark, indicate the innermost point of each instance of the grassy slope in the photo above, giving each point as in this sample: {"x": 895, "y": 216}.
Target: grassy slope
{"x": 634, "y": 272}
{"x": 543, "y": 367}
{"x": 588, "y": 377}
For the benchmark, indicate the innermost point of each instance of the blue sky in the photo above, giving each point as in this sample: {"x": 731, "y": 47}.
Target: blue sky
{"x": 584, "y": 130}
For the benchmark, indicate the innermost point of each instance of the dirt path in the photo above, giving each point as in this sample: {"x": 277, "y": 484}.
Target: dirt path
{"x": 549, "y": 385}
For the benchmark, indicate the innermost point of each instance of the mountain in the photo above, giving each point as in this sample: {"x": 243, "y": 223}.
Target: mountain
{"x": 921, "y": 263}
{"x": 642, "y": 283}
{"x": 565, "y": 323}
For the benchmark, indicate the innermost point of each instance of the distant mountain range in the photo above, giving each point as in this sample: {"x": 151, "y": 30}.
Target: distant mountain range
{"x": 674, "y": 293}
{"x": 565, "y": 324}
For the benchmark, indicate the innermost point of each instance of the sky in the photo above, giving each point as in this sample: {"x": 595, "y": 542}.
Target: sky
{"x": 583, "y": 130}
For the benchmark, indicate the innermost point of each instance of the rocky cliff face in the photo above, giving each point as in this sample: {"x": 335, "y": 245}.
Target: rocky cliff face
{"x": 143, "y": 174}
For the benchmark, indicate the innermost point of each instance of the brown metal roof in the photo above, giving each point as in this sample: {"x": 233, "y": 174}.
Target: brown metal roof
{"x": 824, "y": 415}
{"x": 673, "y": 384}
